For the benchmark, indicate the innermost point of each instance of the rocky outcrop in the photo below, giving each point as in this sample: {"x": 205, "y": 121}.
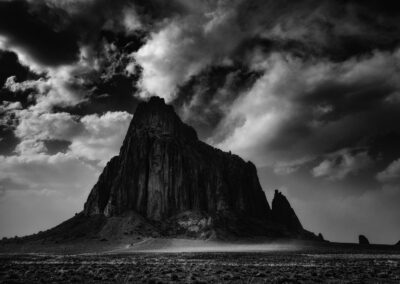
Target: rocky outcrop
{"x": 362, "y": 240}
{"x": 283, "y": 214}
{"x": 182, "y": 185}
{"x": 163, "y": 170}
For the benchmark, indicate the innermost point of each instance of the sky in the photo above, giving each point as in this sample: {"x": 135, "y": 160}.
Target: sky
{"x": 308, "y": 90}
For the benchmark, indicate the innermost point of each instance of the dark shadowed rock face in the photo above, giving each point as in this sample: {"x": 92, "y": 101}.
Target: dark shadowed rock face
{"x": 182, "y": 186}
{"x": 163, "y": 170}
{"x": 362, "y": 240}
{"x": 284, "y": 215}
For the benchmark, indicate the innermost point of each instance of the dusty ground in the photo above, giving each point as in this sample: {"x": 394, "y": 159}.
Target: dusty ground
{"x": 237, "y": 264}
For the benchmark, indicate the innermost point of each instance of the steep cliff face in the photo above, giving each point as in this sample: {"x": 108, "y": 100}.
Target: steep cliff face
{"x": 163, "y": 170}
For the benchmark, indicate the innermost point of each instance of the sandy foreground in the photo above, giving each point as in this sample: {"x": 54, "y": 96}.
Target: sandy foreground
{"x": 195, "y": 261}
{"x": 173, "y": 245}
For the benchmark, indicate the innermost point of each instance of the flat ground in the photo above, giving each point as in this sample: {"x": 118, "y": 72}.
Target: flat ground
{"x": 171, "y": 261}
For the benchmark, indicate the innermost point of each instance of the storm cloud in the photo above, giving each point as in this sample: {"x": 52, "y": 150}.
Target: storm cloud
{"x": 23, "y": 27}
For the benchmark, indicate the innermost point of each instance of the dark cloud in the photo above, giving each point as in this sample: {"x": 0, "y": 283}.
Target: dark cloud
{"x": 385, "y": 145}
{"x": 113, "y": 95}
{"x": 8, "y": 141}
{"x": 361, "y": 107}
{"x": 336, "y": 30}
{"x": 204, "y": 98}
{"x": 112, "y": 87}
{"x": 369, "y": 7}
{"x": 336, "y": 116}
{"x": 57, "y": 146}
{"x": 363, "y": 104}
{"x": 126, "y": 43}
{"x": 25, "y": 28}
{"x": 267, "y": 45}
{"x": 10, "y": 66}
{"x": 156, "y": 10}
{"x": 52, "y": 32}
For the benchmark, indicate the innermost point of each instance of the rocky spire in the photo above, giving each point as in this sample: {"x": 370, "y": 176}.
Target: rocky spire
{"x": 283, "y": 214}
{"x": 362, "y": 240}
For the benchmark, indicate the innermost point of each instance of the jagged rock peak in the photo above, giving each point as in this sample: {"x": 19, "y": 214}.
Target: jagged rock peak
{"x": 157, "y": 118}
{"x": 283, "y": 214}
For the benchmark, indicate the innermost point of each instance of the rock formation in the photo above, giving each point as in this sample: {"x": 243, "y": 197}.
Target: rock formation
{"x": 284, "y": 215}
{"x": 166, "y": 182}
{"x": 362, "y": 240}
{"x": 167, "y": 175}
{"x": 163, "y": 170}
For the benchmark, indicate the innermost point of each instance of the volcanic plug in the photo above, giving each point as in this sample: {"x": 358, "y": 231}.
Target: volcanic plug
{"x": 181, "y": 185}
